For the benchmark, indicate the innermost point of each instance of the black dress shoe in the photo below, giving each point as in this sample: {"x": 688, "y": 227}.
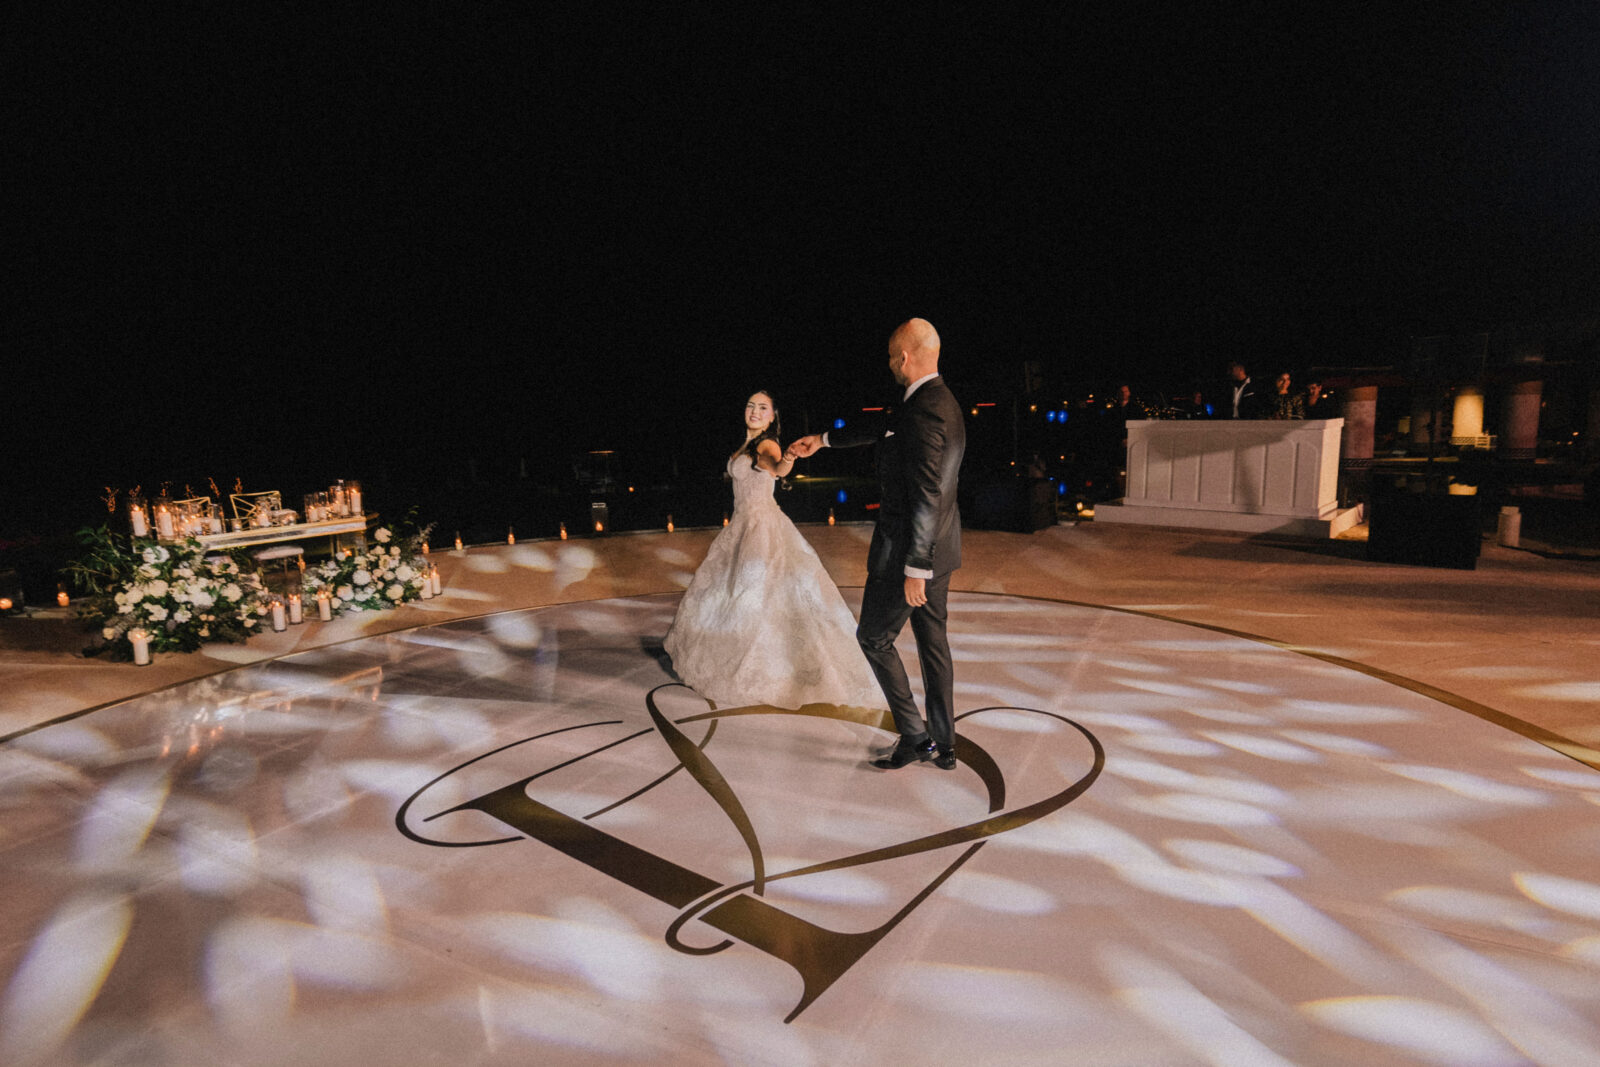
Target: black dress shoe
{"x": 946, "y": 759}
{"x": 905, "y": 753}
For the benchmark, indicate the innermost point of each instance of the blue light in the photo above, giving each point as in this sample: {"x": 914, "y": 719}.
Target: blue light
{"x": 1209, "y": 410}
{"x": 838, "y": 424}
{"x": 1049, "y": 416}
{"x": 1063, "y": 416}
{"x": 1061, "y": 490}
{"x": 842, "y": 496}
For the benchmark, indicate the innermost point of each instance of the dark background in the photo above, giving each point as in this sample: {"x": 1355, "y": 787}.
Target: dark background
{"x": 420, "y": 244}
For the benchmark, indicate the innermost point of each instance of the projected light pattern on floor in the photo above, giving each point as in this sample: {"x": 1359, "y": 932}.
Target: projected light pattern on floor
{"x": 1282, "y": 860}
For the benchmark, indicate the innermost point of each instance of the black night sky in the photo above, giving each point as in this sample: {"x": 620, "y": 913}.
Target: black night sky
{"x": 298, "y": 242}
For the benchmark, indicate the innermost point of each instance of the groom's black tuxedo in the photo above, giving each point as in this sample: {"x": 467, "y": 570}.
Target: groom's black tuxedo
{"x": 920, "y": 446}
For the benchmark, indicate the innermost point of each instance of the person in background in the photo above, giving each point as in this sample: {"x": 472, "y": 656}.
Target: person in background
{"x": 1240, "y": 398}
{"x": 1283, "y": 403}
{"x": 1320, "y": 404}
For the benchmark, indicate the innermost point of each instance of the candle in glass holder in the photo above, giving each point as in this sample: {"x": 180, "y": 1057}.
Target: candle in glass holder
{"x": 141, "y": 647}
{"x": 830, "y": 516}
{"x": 427, "y": 587}
{"x": 324, "y": 605}
{"x": 352, "y": 495}
{"x": 458, "y": 540}
{"x": 433, "y": 580}
{"x": 164, "y": 525}
{"x": 563, "y": 531}
{"x": 5, "y": 603}
{"x": 279, "y": 620}
{"x": 62, "y": 599}
{"x": 296, "y": 609}
{"x": 511, "y": 536}
{"x": 669, "y": 524}
{"x": 138, "y": 518}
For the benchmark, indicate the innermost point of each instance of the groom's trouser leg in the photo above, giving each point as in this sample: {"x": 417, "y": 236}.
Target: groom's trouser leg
{"x": 883, "y": 615}
{"x": 938, "y": 671}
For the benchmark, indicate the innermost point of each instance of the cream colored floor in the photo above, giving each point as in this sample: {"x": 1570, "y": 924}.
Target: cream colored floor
{"x": 1220, "y": 802}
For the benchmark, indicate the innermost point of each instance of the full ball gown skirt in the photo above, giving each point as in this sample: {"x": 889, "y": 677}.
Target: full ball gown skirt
{"x": 761, "y": 622}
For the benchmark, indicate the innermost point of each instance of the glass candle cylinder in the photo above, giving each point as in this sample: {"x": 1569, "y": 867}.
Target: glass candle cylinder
{"x": 138, "y": 516}
{"x": 165, "y": 522}
{"x": 141, "y": 647}
{"x": 433, "y": 579}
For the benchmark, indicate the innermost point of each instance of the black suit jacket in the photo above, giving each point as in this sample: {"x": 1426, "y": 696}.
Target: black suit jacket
{"x": 920, "y": 446}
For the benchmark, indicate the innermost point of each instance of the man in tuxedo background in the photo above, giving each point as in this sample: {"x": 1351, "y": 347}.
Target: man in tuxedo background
{"x": 916, "y": 542}
{"x": 1242, "y": 400}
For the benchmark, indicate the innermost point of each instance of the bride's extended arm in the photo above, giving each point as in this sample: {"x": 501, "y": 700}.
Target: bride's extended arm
{"x": 772, "y": 461}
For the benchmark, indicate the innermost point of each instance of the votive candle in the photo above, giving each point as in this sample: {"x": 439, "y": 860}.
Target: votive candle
{"x": 5, "y": 603}
{"x": 563, "y": 531}
{"x": 458, "y": 540}
{"x": 296, "y": 609}
{"x": 62, "y": 599}
{"x": 669, "y": 524}
{"x": 141, "y": 647}
{"x": 511, "y": 536}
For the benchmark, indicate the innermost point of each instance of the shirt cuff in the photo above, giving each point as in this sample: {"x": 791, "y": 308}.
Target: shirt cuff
{"x": 825, "y": 443}
{"x": 918, "y": 572}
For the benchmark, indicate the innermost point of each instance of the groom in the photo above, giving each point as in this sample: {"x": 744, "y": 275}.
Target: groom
{"x": 916, "y": 543}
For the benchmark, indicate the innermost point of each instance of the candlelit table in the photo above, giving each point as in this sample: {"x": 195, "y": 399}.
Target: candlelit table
{"x": 299, "y": 531}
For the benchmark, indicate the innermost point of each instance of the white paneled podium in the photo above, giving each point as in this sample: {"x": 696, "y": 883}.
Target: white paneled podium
{"x": 1247, "y": 475}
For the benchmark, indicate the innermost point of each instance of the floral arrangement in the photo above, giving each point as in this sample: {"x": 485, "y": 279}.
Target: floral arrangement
{"x": 181, "y": 595}
{"x": 390, "y": 571}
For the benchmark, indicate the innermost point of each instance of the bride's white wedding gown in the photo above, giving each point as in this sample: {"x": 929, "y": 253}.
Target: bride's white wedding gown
{"x": 761, "y": 622}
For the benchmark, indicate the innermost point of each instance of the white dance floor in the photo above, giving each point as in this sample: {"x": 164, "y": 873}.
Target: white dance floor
{"x": 513, "y": 840}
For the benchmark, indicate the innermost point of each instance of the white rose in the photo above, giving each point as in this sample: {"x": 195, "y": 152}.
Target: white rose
{"x": 394, "y": 592}
{"x": 232, "y": 592}
{"x": 181, "y": 616}
{"x": 362, "y": 578}
{"x": 149, "y": 570}
{"x": 185, "y": 572}
{"x": 201, "y": 599}
{"x": 149, "y": 555}
{"x": 404, "y": 572}
{"x": 157, "y": 613}
{"x": 121, "y": 598}
{"x": 344, "y": 592}
{"x": 125, "y": 609}
{"x": 382, "y": 535}
{"x": 135, "y": 593}
{"x": 158, "y": 588}
{"x": 162, "y": 555}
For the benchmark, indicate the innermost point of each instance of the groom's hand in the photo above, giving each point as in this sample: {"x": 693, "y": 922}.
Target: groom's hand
{"x": 916, "y": 591}
{"x": 802, "y": 447}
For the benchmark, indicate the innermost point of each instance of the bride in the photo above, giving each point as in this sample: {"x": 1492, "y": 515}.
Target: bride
{"x": 761, "y": 621}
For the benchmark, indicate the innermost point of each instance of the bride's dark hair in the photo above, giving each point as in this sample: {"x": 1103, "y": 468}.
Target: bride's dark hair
{"x": 771, "y": 433}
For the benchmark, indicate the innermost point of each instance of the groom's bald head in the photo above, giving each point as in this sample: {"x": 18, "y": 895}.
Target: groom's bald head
{"x": 913, "y": 350}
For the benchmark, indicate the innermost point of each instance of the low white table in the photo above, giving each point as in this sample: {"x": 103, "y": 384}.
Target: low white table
{"x": 1247, "y": 475}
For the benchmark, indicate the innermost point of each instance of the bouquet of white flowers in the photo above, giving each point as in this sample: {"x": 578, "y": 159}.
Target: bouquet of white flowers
{"x": 390, "y": 571}
{"x": 181, "y": 595}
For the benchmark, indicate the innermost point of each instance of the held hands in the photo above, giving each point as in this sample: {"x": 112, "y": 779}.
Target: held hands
{"x": 802, "y": 447}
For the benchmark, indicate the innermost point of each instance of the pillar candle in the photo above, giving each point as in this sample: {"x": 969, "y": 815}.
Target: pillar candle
{"x": 354, "y": 496}
{"x": 296, "y": 609}
{"x": 141, "y": 528}
{"x": 164, "y": 522}
{"x": 324, "y": 608}
{"x": 279, "y": 623}
{"x": 427, "y": 587}
{"x": 433, "y": 580}
{"x": 141, "y": 647}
